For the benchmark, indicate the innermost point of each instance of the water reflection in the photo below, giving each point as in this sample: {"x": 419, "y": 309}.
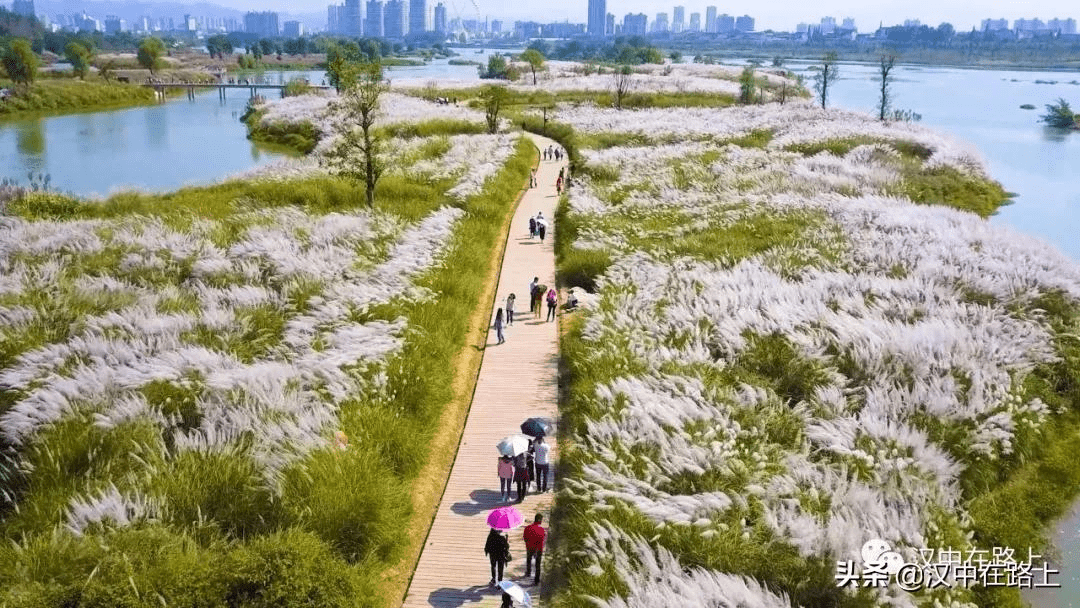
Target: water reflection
{"x": 1054, "y": 134}
{"x": 30, "y": 137}
{"x": 157, "y": 127}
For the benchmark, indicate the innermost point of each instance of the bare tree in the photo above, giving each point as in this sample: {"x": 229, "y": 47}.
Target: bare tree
{"x": 360, "y": 104}
{"x": 623, "y": 81}
{"x": 885, "y": 66}
{"x": 825, "y": 77}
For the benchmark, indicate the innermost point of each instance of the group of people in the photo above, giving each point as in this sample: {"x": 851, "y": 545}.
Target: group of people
{"x": 538, "y": 226}
{"x": 553, "y": 153}
{"x": 539, "y": 294}
{"x": 528, "y": 467}
{"x": 497, "y": 549}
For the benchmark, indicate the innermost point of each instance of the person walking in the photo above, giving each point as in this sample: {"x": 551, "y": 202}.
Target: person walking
{"x": 538, "y": 300}
{"x": 532, "y": 227}
{"x": 499, "y": 326}
{"x": 530, "y": 465}
{"x": 541, "y": 229}
{"x": 521, "y": 477}
{"x": 558, "y": 186}
{"x": 532, "y": 294}
{"x": 534, "y": 536}
{"x": 510, "y": 310}
{"x": 497, "y": 547}
{"x": 532, "y": 179}
{"x": 552, "y": 302}
{"x": 542, "y": 459}
{"x": 506, "y": 477}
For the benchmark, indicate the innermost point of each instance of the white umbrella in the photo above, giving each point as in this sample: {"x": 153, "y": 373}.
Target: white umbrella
{"x": 515, "y": 591}
{"x": 514, "y": 445}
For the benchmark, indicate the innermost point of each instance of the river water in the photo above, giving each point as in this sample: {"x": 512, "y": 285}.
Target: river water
{"x": 165, "y": 146}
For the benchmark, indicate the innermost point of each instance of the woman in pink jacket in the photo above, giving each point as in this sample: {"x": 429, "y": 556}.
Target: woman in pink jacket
{"x": 506, "y": 477}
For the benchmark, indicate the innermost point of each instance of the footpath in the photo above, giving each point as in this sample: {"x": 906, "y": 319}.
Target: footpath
{"x": 518, "y": 380}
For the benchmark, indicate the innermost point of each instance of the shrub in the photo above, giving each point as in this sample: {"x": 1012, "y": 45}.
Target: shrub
{"x": 1059, "y": 115}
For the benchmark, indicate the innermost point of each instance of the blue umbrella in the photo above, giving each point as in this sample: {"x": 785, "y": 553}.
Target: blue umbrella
{"x": 536, "y": 427}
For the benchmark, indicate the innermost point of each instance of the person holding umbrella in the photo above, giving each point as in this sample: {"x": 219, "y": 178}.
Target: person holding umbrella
{"x": 506, "y": 477}
{"x": 497, "y": 549}
{"x": 521, "y": 476}
{"x": 513, "y": 592}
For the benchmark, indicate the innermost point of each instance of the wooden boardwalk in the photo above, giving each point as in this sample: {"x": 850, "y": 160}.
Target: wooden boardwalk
{"x": 518, "y": 380}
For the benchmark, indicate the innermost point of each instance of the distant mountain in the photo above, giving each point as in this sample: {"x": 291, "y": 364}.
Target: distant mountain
{"x": 132, "y": 10}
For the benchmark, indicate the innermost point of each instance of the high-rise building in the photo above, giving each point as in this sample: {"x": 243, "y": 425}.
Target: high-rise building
{"x": 609, "y": 24}
{"x": 848, "y": 24}
{"x": 419, "y": 17}
{"x": 597, "y": 17}
{"x": 440, "y": 18}
{"x": 695, "y": 22}
{"x": 335, "y": 16}
{"x": 678, "y": 19}
{"x": 264, "y": 25}
{"x": 190, "y": 25}
{"x": 114, "y": 24}
{"x": 660, "y": 24}
{"x": 828, "y": 25}
{"x": 993, "y": 25}
{"x": 710, "y": 19}
{"x": 292, "y": 29}
{"x": 496, "y": 26}
{"x": 373, "y": 23}
{"x": 354, "y": 18}
{"x": 1062, "y": 26}
{"x": 23, "y": 7}
{"x": 142, "y": 24}
{"x": 912, "y": 23}
{"x": 725, "y": 24}
{"x": 635, "y": 25}
{"x": 395, "y": 19}
{"x": 744, "y": 24}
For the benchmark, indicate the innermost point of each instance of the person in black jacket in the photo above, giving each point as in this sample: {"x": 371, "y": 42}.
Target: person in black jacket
{"x": 496, "y": 548}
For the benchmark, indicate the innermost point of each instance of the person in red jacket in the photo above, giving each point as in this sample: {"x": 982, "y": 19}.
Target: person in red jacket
{"x": 534, "y": 546}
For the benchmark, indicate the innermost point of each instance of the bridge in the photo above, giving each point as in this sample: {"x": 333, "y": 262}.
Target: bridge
{"x": 160, "y": 87}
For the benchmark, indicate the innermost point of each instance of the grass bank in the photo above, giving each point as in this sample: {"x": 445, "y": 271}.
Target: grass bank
{"x": 64, "y": 96}
{"x": 221, "y": 537}
{"x": 700, "y": 440}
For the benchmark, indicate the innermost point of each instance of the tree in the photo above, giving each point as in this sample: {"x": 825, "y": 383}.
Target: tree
{"x": 885, "y": 67}
{"x": 535, "y": 60}
{"x": 219, "y": 45}
{"x": 496, "y": 67}
{"x": 747, "y": 84}
{"x": 150, "y": 51}
{"x": 20, "y": 62}
{"x": 493, "y": 97}
{"x": 623, "y": 81}
{"x": 1060, "y": 115}
{"x": 79, "y": 58}
{"x": 107, "y": 70}
{"x": 825, "y": 77}
{"x": 363, "y": 86}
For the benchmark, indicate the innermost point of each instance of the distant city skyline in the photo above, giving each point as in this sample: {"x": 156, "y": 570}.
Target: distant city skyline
{"x": 780, "y": 17}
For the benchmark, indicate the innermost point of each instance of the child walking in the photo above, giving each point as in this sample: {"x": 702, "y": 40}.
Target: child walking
{"x": 499, "y": 326}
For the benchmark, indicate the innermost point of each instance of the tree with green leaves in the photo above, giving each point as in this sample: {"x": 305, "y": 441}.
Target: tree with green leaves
{"x": 496, "y": 67}
{"x": 623, "y": 77}
{"x": 150, "y": 51}
{"x": 1060, "y": 115}
{"x": 219, "y": 45}
{"x": 886, "y": 62}
{"x": 747, "y": 84}
{"x": 20, "y": 62}
{"x": 364, "y": 85}
{"x": 79, "y": 58}
{"x": 826, "y": 76}
{"x": 494, "y": 98}
{"x": 534, "y": 59}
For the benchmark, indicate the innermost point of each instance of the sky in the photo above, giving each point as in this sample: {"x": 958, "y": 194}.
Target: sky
{"x": 781, "y": 16}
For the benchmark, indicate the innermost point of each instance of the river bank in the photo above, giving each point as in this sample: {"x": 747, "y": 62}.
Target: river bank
{"x": 52, "y": 97}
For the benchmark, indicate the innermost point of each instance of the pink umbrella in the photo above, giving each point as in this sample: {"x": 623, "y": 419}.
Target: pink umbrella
{"x": 505, "y": 518}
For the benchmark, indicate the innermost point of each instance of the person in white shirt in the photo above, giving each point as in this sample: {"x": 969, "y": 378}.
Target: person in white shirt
{"x": 542, "y": 461}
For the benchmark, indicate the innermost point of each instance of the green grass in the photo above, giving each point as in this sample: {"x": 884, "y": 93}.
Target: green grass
{"x": 952, "y": 188}
{"x": 55, "y": 96}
